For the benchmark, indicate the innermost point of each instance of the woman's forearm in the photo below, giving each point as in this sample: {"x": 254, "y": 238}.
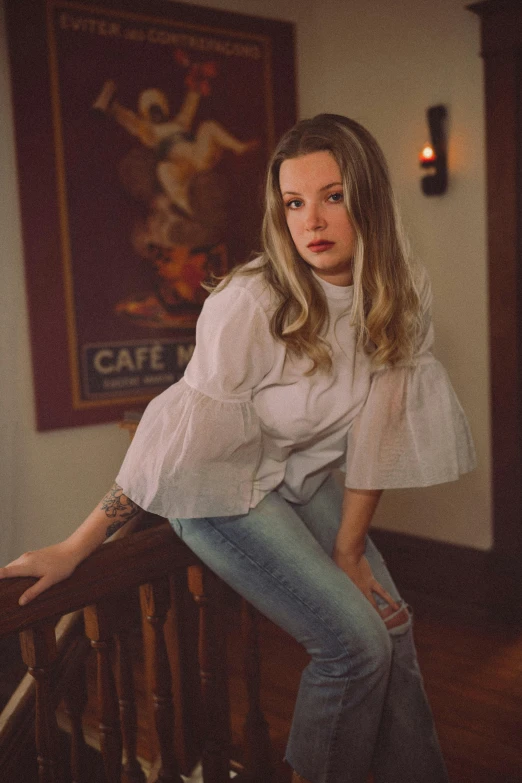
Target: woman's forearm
{"x": 358, "y": 509}
{"x": 113, "y": 511}
{"x": 56, "y": 562}
{"x": 349, "y": 552}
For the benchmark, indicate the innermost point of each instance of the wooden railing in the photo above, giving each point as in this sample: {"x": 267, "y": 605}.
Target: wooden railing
{"x": 190, "y": 713}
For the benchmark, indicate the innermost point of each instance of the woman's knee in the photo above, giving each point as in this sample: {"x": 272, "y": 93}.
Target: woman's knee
{"x": 362, "y": 650}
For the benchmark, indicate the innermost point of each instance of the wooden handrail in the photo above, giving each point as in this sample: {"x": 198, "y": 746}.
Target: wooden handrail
{"x": 157, "y": 562}
{"x": 112, "y": 569}
{"x": 103, "y": 586}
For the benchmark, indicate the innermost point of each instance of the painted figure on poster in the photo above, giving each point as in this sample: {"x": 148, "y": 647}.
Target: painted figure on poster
{"x": 180, "y": 239}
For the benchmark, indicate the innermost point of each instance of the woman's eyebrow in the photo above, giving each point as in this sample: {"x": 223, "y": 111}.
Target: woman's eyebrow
{"x": 324, "y": 187}
{"x": 331, "y": 185}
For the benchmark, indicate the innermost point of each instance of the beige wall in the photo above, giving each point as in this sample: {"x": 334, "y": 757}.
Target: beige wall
{"x": 401, "y": 58}
{"x": 48, "y": 481}
{"x": 382, "y": 63}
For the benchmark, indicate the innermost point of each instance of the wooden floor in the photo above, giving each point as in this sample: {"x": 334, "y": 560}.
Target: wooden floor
{"x": 473, "y": 677}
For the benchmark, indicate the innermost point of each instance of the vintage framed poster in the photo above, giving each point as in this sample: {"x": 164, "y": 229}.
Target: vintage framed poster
{"x": 143, "y": 130}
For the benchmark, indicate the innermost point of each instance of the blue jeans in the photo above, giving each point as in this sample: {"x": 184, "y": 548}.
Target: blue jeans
{"x": 361, "y": 705}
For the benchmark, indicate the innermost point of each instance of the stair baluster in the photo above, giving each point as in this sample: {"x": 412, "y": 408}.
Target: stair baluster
{"x": 132, "y": 771}
{"x": 206, "y": 589}
{"x": 75, "y": 701}
{"x": 38, "y": 645}
{"x": 98, "y": 629}
{"x": 155, "y": 601}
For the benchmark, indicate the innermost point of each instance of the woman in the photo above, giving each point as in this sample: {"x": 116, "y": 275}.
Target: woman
{"x": 313, "y": 357}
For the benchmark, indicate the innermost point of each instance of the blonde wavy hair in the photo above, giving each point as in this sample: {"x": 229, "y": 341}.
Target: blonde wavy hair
{"x": 386, "y": 311}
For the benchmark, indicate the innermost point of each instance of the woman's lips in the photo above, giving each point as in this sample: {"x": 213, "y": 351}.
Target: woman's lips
{"x": 319, "y": 247}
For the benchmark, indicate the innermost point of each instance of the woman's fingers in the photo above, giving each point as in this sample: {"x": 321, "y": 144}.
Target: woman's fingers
{"x": 22, "y": 566}
{"x": 48, "y": 565}
{"x": 25, "y": 565}
{"x": 360, "y": 572}
{"x": 34, "y": 590}
{"x": 379, "y": 589}
{"x": 370, "y": 596}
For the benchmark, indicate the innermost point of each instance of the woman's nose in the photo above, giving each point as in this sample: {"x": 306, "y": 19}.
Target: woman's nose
{"x": 314, "y": 219}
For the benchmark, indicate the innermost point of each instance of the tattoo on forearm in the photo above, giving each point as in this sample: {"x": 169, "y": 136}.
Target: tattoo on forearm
{"x": 119, "y": 507}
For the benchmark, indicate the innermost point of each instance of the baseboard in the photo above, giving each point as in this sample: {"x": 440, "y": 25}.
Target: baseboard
{"x": 456, "y": 578}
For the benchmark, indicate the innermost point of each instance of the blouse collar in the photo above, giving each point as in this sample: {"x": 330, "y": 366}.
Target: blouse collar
{"x": 334, "y": 291}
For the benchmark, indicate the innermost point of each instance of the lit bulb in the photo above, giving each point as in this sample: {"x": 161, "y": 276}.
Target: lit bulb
{"x": 427, "y": 155}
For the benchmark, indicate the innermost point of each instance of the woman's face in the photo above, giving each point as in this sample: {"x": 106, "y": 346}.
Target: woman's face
{"x": 316, "y": 215}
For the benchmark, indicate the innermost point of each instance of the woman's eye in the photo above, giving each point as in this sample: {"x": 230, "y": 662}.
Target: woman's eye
{"x": 295, "y": 203}
{"x": 336, "y": 197}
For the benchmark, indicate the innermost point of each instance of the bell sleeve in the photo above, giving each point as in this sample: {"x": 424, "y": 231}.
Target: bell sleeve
{"x": 197, "y": 447}
{"x": 411, "y": 431}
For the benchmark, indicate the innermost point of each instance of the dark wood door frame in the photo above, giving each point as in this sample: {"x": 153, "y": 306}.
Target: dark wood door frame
{"x": 433, "y": 570}
{"x": 501, "y": 25}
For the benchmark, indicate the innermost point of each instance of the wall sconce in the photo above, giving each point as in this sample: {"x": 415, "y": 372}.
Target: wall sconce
{"x": 434, "y": 153}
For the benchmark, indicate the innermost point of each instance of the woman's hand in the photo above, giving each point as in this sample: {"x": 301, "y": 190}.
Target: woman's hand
{"x": 358, "y": 509}
{"x": 57, "y": 562}
{"x": 359, "y": 571}
{"x": 52, "y": 564}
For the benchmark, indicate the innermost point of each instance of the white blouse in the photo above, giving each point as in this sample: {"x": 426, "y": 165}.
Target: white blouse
{"x": 246, "y": 419}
